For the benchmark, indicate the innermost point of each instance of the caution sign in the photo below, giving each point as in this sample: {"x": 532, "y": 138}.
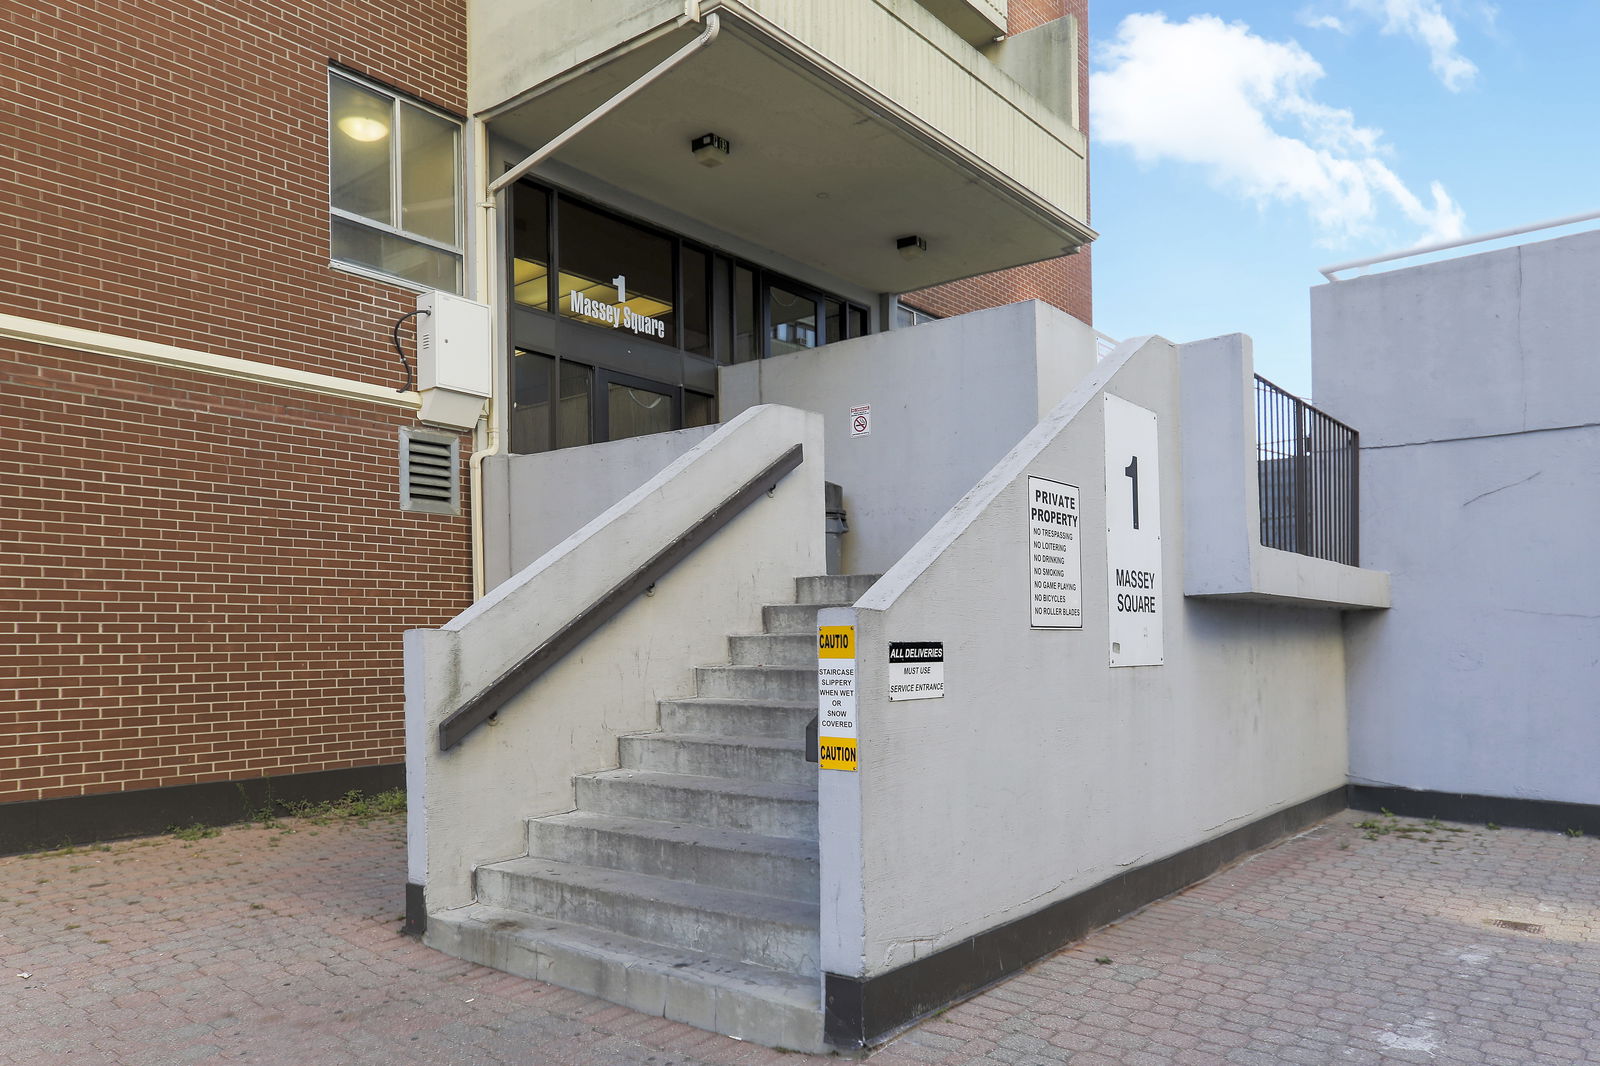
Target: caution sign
{"x": 916, "y": 670}
{"x": 836, "y": 697}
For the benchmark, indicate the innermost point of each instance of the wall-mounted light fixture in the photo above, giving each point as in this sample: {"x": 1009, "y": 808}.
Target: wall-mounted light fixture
{"x": 710, "y": 150}
{"x": 910, "y": 247}
{"x": 363, "y": 128}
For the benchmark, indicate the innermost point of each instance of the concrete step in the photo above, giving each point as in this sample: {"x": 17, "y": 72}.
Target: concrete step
{"x": 696, "y": 988}
{"x": 738, "y": 718}
{"x": 773, "y": 649}
{"x": 779, "y": 866}
{"x": 762, "y": 758}
{"x": 791, "y": 684}
{"x": 763, "y": 930}
{"x": 764, "y": 807}
{"x": 833, "y": 589}
{"x": 786, "y": 618}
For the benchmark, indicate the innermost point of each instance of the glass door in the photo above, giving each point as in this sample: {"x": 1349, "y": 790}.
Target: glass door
{"x": 629, "y": 406}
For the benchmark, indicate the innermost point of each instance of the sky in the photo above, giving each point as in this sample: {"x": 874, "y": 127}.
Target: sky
{"x": 1238, "y": 146}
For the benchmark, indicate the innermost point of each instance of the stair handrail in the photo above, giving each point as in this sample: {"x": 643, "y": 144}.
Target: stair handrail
{"x": 488, "y": 702}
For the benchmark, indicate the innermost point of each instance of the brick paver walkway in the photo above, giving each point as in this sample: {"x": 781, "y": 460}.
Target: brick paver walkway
{"x": 261, "y": 945}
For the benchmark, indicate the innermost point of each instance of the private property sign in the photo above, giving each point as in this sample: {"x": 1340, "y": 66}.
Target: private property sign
{"x": 1054, "y": 555}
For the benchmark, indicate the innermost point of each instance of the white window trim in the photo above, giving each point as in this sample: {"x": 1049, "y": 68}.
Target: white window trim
{"x": 396, "y": 206}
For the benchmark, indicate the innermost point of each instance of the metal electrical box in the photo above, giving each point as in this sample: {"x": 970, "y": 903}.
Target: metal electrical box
{"x": 455, "y": 372}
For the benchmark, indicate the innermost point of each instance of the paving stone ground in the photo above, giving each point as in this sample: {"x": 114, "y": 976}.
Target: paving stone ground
{"x": 1341, "y": 946}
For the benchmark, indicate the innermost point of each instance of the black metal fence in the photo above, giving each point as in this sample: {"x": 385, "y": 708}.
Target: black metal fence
{"x": 1309, "y": 477}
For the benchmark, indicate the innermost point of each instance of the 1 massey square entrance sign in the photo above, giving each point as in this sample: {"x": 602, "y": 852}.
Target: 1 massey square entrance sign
{"x": 616, "y": 315}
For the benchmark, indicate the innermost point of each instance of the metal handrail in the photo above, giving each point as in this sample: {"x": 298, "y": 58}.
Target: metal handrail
{"x": 488, "y": 703}
{"x": 1308, "y": 477}
{"x": 1461, "y": 242}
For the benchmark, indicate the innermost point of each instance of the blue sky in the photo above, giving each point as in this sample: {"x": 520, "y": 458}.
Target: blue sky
{"x": 1240, "y": 145}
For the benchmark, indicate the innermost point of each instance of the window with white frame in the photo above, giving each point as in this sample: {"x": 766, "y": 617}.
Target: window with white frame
{"x": 395, "y": 185}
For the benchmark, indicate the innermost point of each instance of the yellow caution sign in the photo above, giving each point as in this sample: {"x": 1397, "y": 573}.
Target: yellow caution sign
{"x": 836, "y": 642}
{"x": 836, "y": 698}
{"x": 836, "y": 753}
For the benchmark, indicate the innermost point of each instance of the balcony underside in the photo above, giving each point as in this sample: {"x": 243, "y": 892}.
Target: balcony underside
{"x": 822, "y": 168}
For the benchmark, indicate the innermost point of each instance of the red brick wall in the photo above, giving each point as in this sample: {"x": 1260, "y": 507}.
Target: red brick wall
{"x": 201, "y": 579}
{"x": 164, "y": 168}
{"x": 1065, "y": 282}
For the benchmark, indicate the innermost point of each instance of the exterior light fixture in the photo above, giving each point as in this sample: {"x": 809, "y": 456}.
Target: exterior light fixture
{"x": 910, "y": 247}
{"x": 362, "y": 128}
{"x": 710, "y": 150}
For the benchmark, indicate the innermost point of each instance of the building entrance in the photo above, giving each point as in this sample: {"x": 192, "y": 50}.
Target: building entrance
{"x": 618, "y": 328}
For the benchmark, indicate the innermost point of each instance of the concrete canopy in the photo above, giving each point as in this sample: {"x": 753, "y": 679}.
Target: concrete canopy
{"x": 818, "y": 170}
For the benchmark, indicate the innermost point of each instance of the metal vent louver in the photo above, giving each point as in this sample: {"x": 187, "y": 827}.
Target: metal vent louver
{"x": 430, "y": 472}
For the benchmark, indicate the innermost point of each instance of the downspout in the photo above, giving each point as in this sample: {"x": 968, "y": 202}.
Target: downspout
{"x": 487, "y": 437}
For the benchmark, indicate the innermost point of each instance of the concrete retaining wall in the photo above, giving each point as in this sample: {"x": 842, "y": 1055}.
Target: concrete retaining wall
{"x": 948, "y": 399}
{"x": 534, "y": 502}
{"x": 1474, "y": 385}
{"x": 1044, "y": 771}
{"x": 468, "y": 806}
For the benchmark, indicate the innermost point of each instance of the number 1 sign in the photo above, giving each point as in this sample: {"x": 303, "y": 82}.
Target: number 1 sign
{"x": 1133, "y": 534}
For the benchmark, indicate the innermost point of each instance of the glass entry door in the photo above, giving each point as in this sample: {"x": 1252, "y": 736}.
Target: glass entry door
{"x": 628, "y": 406}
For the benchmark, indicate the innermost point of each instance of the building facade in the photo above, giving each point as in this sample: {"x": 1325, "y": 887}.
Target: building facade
{"x": 221, "y": 509}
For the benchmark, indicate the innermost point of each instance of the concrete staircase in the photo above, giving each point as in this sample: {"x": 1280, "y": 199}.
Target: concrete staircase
{"x": 685, "y": 884}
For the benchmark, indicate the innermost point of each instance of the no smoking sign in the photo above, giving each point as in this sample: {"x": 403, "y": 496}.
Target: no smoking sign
{"x": 861, "y": 420}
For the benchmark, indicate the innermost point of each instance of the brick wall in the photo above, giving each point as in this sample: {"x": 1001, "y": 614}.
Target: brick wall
{"x": 164, "y": 167}
{"x": 1066, "y": 282}
{"x": 201, "y": 579}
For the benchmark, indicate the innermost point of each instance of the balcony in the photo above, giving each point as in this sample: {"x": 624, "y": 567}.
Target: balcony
{"x": 851, "y": 123}
{"x": 1270, "y": 509}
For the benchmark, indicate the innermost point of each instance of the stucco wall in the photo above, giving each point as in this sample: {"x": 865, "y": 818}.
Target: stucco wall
{"x": 1043, "y": 771}
{"x": 534, "y": 502}
{"x": 948, "y": 399}
{"x": 1474, "y": 385}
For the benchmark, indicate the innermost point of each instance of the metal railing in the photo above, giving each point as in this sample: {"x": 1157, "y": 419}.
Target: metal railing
{"x": 488, "y": 703}
{"x": 1309, "y": 475}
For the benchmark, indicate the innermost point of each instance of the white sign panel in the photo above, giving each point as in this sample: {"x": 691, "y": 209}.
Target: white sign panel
{"x": 1133, "y": 534}
{"x": 861, "y": 420}
{"x": 916, "y": 670}
{"x": 836, "y": 698}
{"x": 1054, "y": 556}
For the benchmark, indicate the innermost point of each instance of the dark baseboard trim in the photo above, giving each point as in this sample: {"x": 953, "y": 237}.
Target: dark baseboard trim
{"x": 859, "y": 1013}
{"x": 416, "y": 910}
{"x": 53, "y": 823}
{"x": 1478, "y": 810}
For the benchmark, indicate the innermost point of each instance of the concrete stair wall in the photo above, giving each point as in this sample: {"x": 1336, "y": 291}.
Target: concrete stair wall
{"x": 685, "y": 884}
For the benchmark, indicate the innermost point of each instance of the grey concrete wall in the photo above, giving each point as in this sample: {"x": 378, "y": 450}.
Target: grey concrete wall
{"x": 469, "y": 805}
{"x": 948, "y": 399}
{"x": 534, "y": 502}
{"x": 1044, "y": 771}
{"x": 1474, "y": 384}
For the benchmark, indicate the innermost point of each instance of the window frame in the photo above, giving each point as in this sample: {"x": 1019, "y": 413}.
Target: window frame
{"x": 397, "y": 99}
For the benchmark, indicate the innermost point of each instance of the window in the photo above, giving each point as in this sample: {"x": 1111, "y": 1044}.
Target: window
{"x": 395, "y": 185}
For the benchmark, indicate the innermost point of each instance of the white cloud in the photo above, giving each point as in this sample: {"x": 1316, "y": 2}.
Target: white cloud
{"x": 1308, "y": 17}
{"x": 1238, "y": 106}
{"x": 1424, "y": 21}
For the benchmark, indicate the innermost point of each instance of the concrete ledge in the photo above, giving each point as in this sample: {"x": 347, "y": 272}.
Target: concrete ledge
{"x": 860, "y": 1013}
{"x": 1292, "y": 580}
{"x": 51, "y": 823}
